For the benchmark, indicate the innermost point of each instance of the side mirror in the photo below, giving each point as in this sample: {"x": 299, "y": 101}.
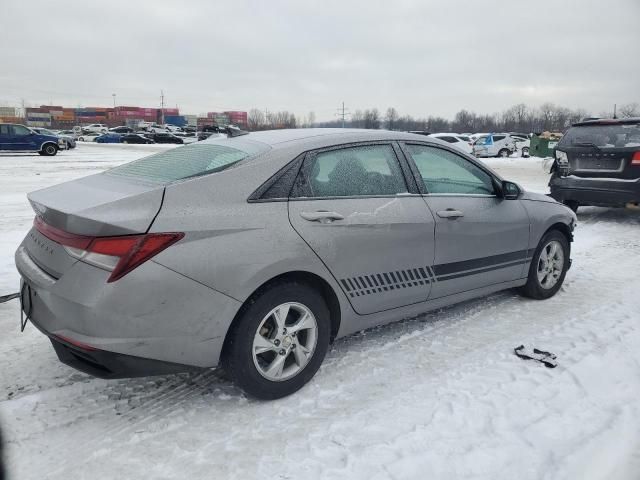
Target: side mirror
{"x": 510, "y": 190}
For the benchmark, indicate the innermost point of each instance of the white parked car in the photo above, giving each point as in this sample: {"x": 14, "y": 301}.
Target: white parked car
{"x": 494, "y": 145}
{"x": 459, "y": 141}
{"x": 89, "y": 137}
{"x": 172, "y": 128}
{"x": 522, "y": 145}
{"x": 95, "y": 128}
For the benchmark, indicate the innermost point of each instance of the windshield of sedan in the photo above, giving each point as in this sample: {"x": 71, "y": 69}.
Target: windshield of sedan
{"x": 612, "y": 136}
{"x": 188, "y": 161}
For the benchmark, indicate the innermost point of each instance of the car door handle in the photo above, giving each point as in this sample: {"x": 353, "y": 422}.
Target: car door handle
{"x": 321, "y": 216}
{"x": 450, "y": 213}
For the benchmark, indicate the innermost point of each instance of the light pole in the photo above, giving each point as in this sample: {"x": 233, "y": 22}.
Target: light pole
{"x": 114, "y": 99}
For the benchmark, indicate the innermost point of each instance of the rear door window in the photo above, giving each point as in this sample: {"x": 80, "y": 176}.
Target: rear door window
{"x": 368, "y": 170}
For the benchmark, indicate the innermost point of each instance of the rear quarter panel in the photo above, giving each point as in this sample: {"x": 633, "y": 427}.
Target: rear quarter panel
{"x": 231, "y": 245}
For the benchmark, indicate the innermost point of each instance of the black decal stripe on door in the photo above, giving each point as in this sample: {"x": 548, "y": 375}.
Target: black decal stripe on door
{"x": 481, "y": 270}
{"x": 476, "y": 263}
{"x": 420, "y": 276}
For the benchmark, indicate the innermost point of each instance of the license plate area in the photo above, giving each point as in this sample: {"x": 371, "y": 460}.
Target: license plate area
{"x": 596, "y": 164}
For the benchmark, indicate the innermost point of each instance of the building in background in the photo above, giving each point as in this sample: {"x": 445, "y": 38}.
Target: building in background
{"x": 63, "y": 118}
{"x": 237, "y": 118}
{"x": 10, "y": 115}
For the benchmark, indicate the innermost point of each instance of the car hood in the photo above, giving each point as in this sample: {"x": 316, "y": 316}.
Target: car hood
{"x": 537, "y": 197}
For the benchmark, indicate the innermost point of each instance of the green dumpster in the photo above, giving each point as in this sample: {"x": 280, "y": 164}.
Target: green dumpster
{"x": 542, "y": 145}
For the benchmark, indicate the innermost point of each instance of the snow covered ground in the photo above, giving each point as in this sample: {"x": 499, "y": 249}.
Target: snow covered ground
{"x": 440, "y": 396}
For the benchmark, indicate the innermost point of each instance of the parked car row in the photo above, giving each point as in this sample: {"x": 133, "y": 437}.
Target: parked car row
{"x": 484, "y": 145}
{"x": 135, "y": 138}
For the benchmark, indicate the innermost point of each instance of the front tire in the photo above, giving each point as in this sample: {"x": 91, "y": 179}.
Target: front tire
{"x": 549, "y": 266}
{"x": 279, "y": 341}
{"x": 525, "y": 152}
{"x": 49, "y": 150}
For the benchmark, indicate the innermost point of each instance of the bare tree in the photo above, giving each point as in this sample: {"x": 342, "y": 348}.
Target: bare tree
{"x": 255, "y": 119}
{"x": 629, "y": 110}
{"x": 391, "y": 118}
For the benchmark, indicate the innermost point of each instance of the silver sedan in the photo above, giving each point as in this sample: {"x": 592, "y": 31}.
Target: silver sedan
{"x": 254, "y": 252}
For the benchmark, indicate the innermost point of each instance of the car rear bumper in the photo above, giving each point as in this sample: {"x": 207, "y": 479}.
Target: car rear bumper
{"x": 606, "y": 192}
{"x": 104, "y": 364}
{"x": 151, "y": 315}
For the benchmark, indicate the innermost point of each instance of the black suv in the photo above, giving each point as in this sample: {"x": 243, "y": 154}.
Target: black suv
{"x": 597, "y": 162}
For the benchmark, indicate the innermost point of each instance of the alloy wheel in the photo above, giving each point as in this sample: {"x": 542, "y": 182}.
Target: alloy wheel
{"x": 550, "y": 264}
{"x": 285, "y": 341}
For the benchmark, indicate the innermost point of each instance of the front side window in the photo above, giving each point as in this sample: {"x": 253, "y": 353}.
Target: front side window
{"x": 445, "y": 172}
{"x": 21, "y": 131}
{"x": 369, "y": 170}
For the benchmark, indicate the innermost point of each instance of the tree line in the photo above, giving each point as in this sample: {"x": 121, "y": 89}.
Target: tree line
{"x": 518, "y": 118}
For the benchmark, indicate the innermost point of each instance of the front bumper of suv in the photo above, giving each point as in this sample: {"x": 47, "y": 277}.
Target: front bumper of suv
{"x": 603, "y": 192}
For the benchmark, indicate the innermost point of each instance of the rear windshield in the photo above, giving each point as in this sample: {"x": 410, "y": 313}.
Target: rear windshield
{"x": 616, "y": 135}
{"x": 187, "y": 161}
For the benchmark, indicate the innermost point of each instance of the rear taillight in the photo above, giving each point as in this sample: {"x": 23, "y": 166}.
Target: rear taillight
{"x": 635, "y": 160}
{"x": 120, "y": 255}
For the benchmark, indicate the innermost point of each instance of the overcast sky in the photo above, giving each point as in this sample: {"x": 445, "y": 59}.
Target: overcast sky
{"x": 429, "y": 57}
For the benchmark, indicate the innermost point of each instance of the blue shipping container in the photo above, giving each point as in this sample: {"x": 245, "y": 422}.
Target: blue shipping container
{"x": 177, "y": 120}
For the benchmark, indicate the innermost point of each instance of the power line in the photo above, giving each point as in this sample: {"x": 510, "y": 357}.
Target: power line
{"x": 342, "y": 112}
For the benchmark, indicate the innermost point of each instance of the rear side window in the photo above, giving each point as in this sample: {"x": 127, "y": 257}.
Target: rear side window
{"x": 184, "y": 162}
{"x": 446, "y": 172}
{"x": 497, "y": 138}
{"x": 368, "y": 170}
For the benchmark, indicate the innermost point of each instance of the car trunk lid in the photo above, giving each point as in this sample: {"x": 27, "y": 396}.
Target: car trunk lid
{"x": 96, "y": 206}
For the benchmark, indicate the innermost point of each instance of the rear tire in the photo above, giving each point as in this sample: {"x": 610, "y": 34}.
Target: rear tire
{"x": 260, "y": 350}
{"x": 503, "y": 153}
{"x": 548, "y": 267}
{"x": 49, "y": 150}
{"x": 525, "y": 152}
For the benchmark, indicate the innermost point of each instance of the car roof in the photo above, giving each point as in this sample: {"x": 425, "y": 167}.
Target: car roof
{"x": 317, "y": 137}
{"x": 608, "y": 121}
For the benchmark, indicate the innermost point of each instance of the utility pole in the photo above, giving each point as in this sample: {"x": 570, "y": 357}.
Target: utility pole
{"x": 342, "y": 112}
{"x": 161, "y": 107}
{"x": 614, "y": 110}
{"x": 114, "y": 99}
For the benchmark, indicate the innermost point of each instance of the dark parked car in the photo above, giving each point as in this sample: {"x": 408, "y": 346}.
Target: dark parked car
{"x": 597, "y": 162}
{"x": 165, "y": 138}
{"x": 109, "y": 138}
{"x": 136, "y": 138}
{"x": 18, "y": 138}
{"x": 121, "y": 130}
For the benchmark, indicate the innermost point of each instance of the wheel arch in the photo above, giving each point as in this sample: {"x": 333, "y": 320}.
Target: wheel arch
{"x": 311, "y": 279}
{"x": 49, "y": 142}
{"x": 562, "y": 228}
